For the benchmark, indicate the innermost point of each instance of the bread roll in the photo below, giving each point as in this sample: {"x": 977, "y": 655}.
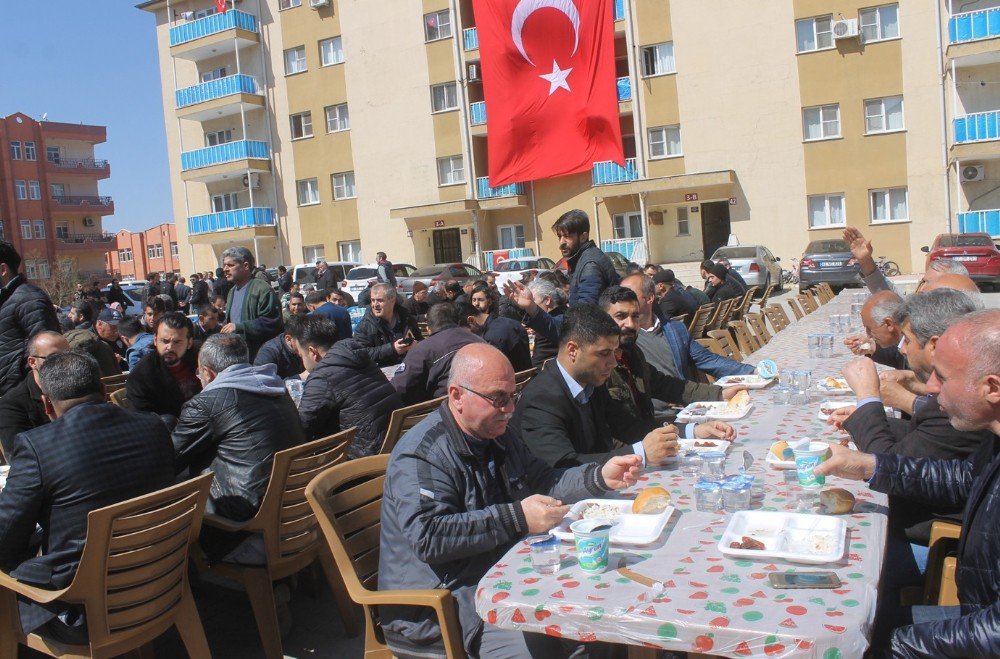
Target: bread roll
{"x": 740, "y": 400}
{"x": 651, "y": 501}
{"x": 782, "y": 451}
{"x": 836, "y": 501}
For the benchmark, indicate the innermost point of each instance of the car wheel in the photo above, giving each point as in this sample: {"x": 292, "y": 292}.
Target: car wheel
{"x": 767, "y": 282}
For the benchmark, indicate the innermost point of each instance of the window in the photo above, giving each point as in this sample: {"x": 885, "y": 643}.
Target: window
{"x": 214, "y": 74}
{"x": 29, "y": 269}
{"x": 219, "y": 137}
{"x": 42, "y": 269}
{"x": 39, "y": 226}
{"x": 664, "y": 141}
{"x": 227, "y": 201}
{"x": 821, "y": 123}
{"x": 154, "y": 251}
{"x": 658, "y": 59}
{"x": 884, "y": 115}
{"x": 889, "y": 205}
{"x": 21, "y": 189}
{"x": 350, "y": 250}
{"x": 444, "y": 97}
{"x": 173, "y": 249}
{"x": 26, "y": 229}
{"x": 307, "y": 191}
{"x": 52, "y": 154}
{"x": 125, "y": 254}
{"x": 510, "y": 236}
{"x": 295, "y": 60}
{"x": 15, "y": 150}
{"x": 58, "y": 190}
{"x": 313, "y": 253}
{"x": 813, "y": 34}
{"x": 288, "y": 4}
{"x": 331, "y": 51}
{"x": 62, "y": 230}
{"x": 302, "y": 125}
{"x": 202, "y": 13}
{"x": 451, "y": 170}
{"x": 826, "y": 211}
{"x": 628, "y": 225}
{"x": 683, "y": 226}
{"x": 35, "y": 190}
{"x": 879, "y": 23}
{"x": 337, "y": 118}
{"x": 437, "y": 25}
{"x": 29, "y": 151}
{"x": 343, "y": 185}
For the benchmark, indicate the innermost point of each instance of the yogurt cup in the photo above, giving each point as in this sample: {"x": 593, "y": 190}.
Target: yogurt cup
{"x": 592, "y": 543}
{"x": 806, "y": 460}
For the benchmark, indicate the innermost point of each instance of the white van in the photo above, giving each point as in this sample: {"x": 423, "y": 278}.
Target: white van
{"x": 304, "y": 274}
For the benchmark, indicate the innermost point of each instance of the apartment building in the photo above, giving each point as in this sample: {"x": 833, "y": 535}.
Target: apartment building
{"x": 50, "y": 205}
{"x": 135, "y": 254}
{"x": 313, "y": 129}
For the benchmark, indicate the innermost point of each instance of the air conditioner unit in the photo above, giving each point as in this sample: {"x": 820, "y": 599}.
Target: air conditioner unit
{"x": 845, "y": 28}
{"x": 316, "y": 4}
{"x": 251, "y": 181}
{"x": 88, "y": 222}
{"x": 472, "y": 72}
{"x": 973, "y": 173}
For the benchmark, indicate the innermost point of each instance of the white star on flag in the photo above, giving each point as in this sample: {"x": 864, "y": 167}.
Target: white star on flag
{"x": 557, "y": 78}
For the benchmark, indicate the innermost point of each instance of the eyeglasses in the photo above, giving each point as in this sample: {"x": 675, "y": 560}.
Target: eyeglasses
{"x": 499, "y": 401}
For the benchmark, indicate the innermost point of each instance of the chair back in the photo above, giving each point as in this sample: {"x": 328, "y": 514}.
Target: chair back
{"x": 776, "y": 314}
{"x": 759, "y": 328}
{"x": 405, "y": 418}
{"x": 825, "y": 292}
{"x": 808, "y": 302}
{"x": 111, "y": 381}
{"x": 744, "y": 338}
{"x": 743, "y": 304}
{"x": 522, "y": 378}
{"x": 118, "y": 398}
{"x": 713, "y": 346}
{"x": 720, "y": 316}
{"x": 134, "y": 567}
{"x": 726, "y": 344}
{"x": 796, "y": 308}
{"x": 700, "y": 319}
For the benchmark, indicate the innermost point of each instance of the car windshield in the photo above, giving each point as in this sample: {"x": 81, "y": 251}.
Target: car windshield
{"x": 361, "y": 273}
{"x": 617, "y": 259}
{"x": 827, "y": 247}
{"x": 735, "y": 253}
{"x": 402, "y": 270}
{"x": 306, "y": 275}
{"x": 512, "y": 265}
{"x": 135, "y": 294}
{"x": 428, "y": 271}
{"x": 965, "y": 241}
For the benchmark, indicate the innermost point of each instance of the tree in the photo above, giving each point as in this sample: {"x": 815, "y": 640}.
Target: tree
{"x": 62, "y": 284}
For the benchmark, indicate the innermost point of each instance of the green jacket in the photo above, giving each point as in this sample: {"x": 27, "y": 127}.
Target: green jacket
{"x": 261, "y": 319}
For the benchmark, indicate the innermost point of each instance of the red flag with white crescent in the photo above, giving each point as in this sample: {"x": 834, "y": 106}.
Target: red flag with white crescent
{"x": 549, "y": 84}
{"x": 220, "y": 6}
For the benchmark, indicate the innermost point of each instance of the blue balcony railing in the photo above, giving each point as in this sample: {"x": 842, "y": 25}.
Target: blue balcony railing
{"x": 470, "y": 38}
{"x": 987, "y": 221}
{"x": 619, "y": 10}
{"x": 484, "y": 191}
{"x": 212, "y": 25}
{"x": 477, "y": 113}
{"x": 624, "y": 89}
{"x": 240, "y": 218}
{"x": 228, "y": 152}
{"x": 624, "y": 246}
{"x": 611, "y": 172}
{"x": 490, "y": 255}
{"x": 978, "y": 127}
{"x": 220, "y": 88}
{"x": 974, "y": 25}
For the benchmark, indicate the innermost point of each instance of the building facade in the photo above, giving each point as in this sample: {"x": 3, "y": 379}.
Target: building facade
{"x": 133, "y": 255}
{"x": 50, "y": 205}
{"x": 313, "y": 129}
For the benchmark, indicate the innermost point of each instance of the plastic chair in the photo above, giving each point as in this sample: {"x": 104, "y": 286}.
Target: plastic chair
{"x": 132, "y": 580}
{"x": 118, "y": 398}
{"x": 762, "y": 300}
{"x": 522, "y": 378}
{"x": 700, "y": 320}
{"x": 744, "y": 338}
{"x": 743, "y": 305}
{"x": 721, "y": 315}
{"x": 347, "y": 501}
{"x": 776, "y": 314}
{"x": 808, "y": 303}
{"x": 405, "y": 418}
{"x": 755, "y": 322}
{"x": 726, "y": 344}
{"x": 796, "y": 308}
{"x": 944, "y": 539}
{"x": 111, "y": 381}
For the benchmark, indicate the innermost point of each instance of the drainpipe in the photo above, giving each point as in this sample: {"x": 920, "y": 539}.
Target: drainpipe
{"x": 597, "y": 221}
{"x": 180, "y": 145}
{"x": 640, "y": 134}
{"x": 645, "y": 226}
{"x": 944, "y": 116}
{"x": 534, "y": 217}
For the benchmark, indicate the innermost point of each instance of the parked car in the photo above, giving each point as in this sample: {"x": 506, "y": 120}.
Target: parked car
{"x": 828, "y": 261}
{"x": 362, "y": 276}
{"x": 304, "y": 274}
{"x": 432, "y": 274}
{"x": 618, "y": 262}
{"x": 975, "y": 251}
{"x": 514, "y": 269}
{"x": 755, "y": 263}
{"x": 134, "y": 294}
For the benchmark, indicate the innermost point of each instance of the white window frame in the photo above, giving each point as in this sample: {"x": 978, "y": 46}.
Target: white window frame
{"x": 340, "y": 119}
{"x": 204, "y": 13}
{"x": 887, "y": 193}
{"x": 864, "y": 21}
{"x": 125, "y": 255}
{"x": 294, "y": 59}
{"x": 622, "y": 225}
{"x": 816, "y": 34}
{"x": 225, "y": 201}
{"x": 879, "y": 104}
{"x": 827, "y": 210}
{"x": 26, "y": 230}
{"x": 349, "y": 250}
{"x": 174, "y": 250}
{"x": 653, "y": 61}
{"x": 213, "y": 74}
{"x": 301, "y": 125}
{"x": 224, "y": 136}
{"x": 288, "y": 4}
{"x": 659, "y": 138}
{"x": 308, "y": 189}
{"x": 344, "y": 186}
{"x": 21, "y": 190}
{"x": 42, "y": 268}
{"x": 313, "y": 253}
{"x": 824, "y": 122}
{"x": 446, "y": 92}
{"x": 62, "y": 230}
{"x": 15, "y": 150}
{"x": 29, "y": 269}
{"x": 52, "y": 154}
{"x": 438, "y": 34}
{"x": 39, "y": 229}
{"x": 29, "y": 151}
{"x": 34, "y": 190}
{"x": 447, "y": 176}
{"x": 516, "y": 233}
{"x": 337, "y": 52}
{"x": 683, "y": 221}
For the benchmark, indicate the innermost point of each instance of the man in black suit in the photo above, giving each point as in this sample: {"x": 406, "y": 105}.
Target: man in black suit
{"x": 21, "y": 408}
{"x": 673, "y": 300}
{"x": 92, "y": 455}
{"x": 165, "y": 379}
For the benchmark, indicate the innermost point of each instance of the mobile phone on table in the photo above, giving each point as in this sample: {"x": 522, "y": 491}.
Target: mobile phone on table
{"x": 804, "y": 580}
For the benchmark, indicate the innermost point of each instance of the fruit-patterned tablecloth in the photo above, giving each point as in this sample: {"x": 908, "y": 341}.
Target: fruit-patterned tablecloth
{"x": 703, "y": 601}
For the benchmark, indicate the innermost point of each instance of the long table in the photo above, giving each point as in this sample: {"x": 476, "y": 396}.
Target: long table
{"x": 681, "y": 593}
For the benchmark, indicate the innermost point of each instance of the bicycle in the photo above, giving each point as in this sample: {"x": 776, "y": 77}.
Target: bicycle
{"x": 791, "y": 276}
{"x": 888, "y": 268}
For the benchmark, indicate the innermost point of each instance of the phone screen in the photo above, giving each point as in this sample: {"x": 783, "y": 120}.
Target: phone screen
{"x": 804, "y": 580}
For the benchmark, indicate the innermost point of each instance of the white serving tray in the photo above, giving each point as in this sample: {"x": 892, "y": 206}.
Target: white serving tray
{"x": 786, "y": 536}
{"x": 628, "y": 529}
{"x": 751, "y": 381}
{"x": 717, "y": 410}
{"x": 688, "y": 445}
{"x": 776, "y": 463}
{"x": 822, "y": 385}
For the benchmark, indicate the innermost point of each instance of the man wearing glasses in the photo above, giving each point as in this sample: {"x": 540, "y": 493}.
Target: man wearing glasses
{"x": 460, "y": 490}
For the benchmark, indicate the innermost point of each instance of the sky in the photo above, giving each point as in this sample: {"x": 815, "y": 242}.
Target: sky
{"x": 94, "y": 62}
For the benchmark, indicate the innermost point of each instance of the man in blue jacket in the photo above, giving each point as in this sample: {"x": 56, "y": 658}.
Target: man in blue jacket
{"x": 590, "y": 269}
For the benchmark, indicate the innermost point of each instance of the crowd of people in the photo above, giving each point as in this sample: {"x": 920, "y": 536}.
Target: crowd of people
{"x": 210, "y": 367}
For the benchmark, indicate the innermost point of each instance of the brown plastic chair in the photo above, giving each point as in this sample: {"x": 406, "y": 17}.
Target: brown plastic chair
{"x": 745, "y": 339}
{"x": 755, "y": 322}
{"x": 796, "y": 308}
{"x": 700, "y": 320}
{"x": 713, "y": 346}
{"x": 808, "y": 302}
{"x": 743, "y": 304}
{"x": 118, "y": 398}
{"x": 776, "y": 314}
{"x": 721, "y": 315}
{"x": 944, "y": 539}
{"x": 347, "y": 501}
{"x": 762, "y": 300}
{"x": 132, "y": 580}
{"x": 291, "y": 537}
{"x": 522, "y": 378}
{"x": 726, "y": 344}
{"x": 405, "y": 418}
{"x": 111, "y": 382}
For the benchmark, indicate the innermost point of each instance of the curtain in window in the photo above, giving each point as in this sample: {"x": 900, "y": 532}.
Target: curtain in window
{"x": 894, "y": 113}
{"x": 805, "y": 36}
{"x": 897, "y": 198}
{"x": 817, "y": 211}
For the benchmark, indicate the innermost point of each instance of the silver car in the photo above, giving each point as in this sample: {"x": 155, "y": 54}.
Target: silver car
{"x": 755, "y": 263}
{"x": 432, "y": 274}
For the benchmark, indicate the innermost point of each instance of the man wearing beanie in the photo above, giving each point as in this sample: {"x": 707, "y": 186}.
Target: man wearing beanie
{"x": 723, "y": 287}
{"x": 673, "y": 300}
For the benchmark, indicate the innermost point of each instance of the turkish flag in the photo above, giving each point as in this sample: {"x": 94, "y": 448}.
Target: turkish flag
{"x": 220, "y": 6}
{"x": 548, "y": 71}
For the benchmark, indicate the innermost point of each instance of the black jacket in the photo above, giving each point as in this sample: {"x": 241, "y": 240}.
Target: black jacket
{"x": 25, "y": 310}
{"x": 285, "y": 282}
{"x": 415, "y": 308}
{"x": 427, "y": 365}
{"x": 890, "y": 357}
{"x": 590, "y": 272}
{"x": 20, "y": 409}
{"x": 546, "y": 335}
{"x": 377, "y": 337}
{"x": 509, "y": 337}
{"x": 347, "y": 390}
{"x": 151, "y": 388}
{"x": 385, "y": 274}
{"x": 199, "y": 294}
{"x": 327, "y": 281}
{"x": 117, "y": 294}
{"x": 675, "y": 304}
{"x": 729, "y": 289}
{"x": 276, "y": 352}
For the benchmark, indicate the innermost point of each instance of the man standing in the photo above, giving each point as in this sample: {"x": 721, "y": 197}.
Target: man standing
{"x": 221, "y": 285}
{"x": 117, "y": 294}
{"x": 169, "y": 288}
{"x": 506, "y": 335}
{"x": 284, "y": 279}
{"x": 384, "y": 270}
{"x": 200, "y": 291}
{"x": 164, "y": 380}
{"x": 386, "y": 330}
{"x": 326, "y": 278}
{"x": 92, "y": 455}
{"x": 25, "y": 310}
{"x": 319, "y": 304}
{"x": 460, "y": 490}
{"x": 152, "y": 287}
{"x": 183, "y": 295}
{"x": 590, "y": 269}
{"x": 252, "y": 308}
{"x": 22, "y": 408}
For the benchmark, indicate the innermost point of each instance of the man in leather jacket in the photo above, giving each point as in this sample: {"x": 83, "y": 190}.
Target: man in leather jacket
{"x": 590, "y": 269}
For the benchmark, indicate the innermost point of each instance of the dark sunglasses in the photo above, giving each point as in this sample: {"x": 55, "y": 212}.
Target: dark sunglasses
{"x": 498, "y": 401}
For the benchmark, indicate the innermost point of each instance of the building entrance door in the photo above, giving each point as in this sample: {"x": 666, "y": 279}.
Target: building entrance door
{"x": 447, "y": 246}
{"x": 714, "y": 226}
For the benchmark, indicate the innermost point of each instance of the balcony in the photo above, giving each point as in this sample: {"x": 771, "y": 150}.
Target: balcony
{"x": 220, "y": 97}
{"x": 619, "y": 10}
{"x": 83, "y": 204}
{"x": 470, "y": 38}
{"x": 630, "y": 248}
{"x": 986, "y": 221}
{"x": 84, "y": 241}
{"x": 213, "y": 35}
{"x": 974, "y": 25}
{"x": 624, "y": 89}
{"x": 978, "y": 127}
{"x": 484, "y": 191}
{"x": 608, "y": 172}
{"x": 215, "y": 163}
{"x": 477, "y": 113}
{"x": 79, "y": 167}
{"x": 241, "y": 218}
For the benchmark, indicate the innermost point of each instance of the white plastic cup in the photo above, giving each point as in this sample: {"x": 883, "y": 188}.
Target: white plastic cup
{"x": 806, "y": 460}
{"x": 592, "y": 537}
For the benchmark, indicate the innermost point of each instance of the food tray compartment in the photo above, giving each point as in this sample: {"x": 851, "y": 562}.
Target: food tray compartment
{"x": 751, "y": 382}
{"x": 797, "y": 538}
{"x": 712, "y": 410}
{"x": 628, "y": 529}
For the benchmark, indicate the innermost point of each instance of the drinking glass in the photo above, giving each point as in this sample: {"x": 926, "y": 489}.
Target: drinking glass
{"x": 545, "y": 553}
{"x": 800, "y": 388}
{"x": 707, "y": 496}
{"x": 826, "y": 346}
{"x": 782, "y": 394}
{"x": 815, "y": 346}
{"x": 690, "y": 463}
